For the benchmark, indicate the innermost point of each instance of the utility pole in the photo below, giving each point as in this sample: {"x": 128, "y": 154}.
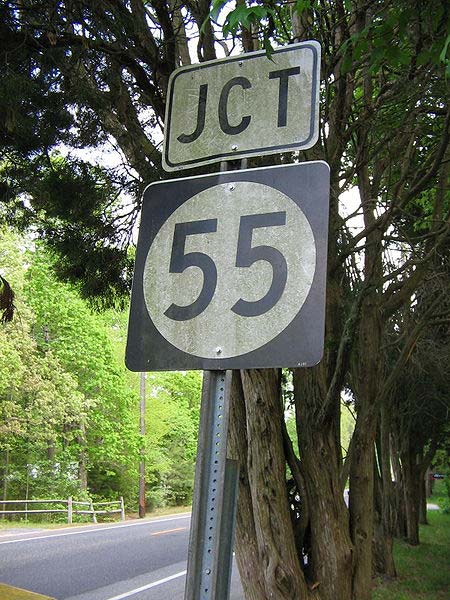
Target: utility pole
{"x": 142, "y": 461}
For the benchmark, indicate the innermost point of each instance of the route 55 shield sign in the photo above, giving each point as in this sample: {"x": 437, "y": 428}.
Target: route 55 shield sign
{"x": 230, "y": 271}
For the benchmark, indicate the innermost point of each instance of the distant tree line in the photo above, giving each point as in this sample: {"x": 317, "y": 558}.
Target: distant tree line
{"x": 69, "y": 410}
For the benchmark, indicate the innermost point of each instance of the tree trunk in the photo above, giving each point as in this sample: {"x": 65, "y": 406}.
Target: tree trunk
{"x": 429, "y": 482}
{"x": 383, "y": 544}
{"x": 423, "y": 520}
{"x": 383, "y": 550}
{"x": 411, "y": 490}
{"x": 361, "y": 504}
{"x": 51, "y": 452}
{"x": 399, "y": 503}
{"x": 180, "y": 33}
{"x": 5, "y": 479}
{"x": 247, "y": 553}
{"x": 366, "y": 378}
{"x": 82, "y": 460}
{"x": 330, "y": 559}
{"x": 283, "y": 578}
{"x": 384, "y": 504}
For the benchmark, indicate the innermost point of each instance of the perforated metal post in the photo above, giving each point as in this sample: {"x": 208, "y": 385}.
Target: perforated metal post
{"x": 214, "y": 506}
{"x": 211, "y": 541}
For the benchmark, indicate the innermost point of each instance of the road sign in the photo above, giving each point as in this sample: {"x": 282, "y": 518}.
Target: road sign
{"x": 242, "y": 106}
{"x": 230, "y": 271}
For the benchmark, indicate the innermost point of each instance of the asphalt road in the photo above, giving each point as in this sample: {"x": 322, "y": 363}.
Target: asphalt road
{"x": 142, "y": 560}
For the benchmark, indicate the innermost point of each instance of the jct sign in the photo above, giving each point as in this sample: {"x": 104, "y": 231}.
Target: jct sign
{"x": 243, "y": 106}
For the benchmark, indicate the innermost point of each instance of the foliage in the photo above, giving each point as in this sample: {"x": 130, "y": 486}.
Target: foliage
{"x": 49, "y": 99}
{"x": 78, "y": 339}
{"x": 57, "y": 376}
{"x": 242, "y": 16}
{"x": 172, "y": 423}
{"x": 40, "y": 401}
{"x": 76, "y": 208}
{"x": 67, "y": 403}
{"x": 41, "y": 478}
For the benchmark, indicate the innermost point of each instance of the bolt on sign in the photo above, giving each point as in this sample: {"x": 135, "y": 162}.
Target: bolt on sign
{"x": 230, "y": 271}
{"x": 242, "y": 106}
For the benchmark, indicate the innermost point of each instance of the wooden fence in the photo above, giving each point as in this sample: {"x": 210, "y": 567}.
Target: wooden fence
{"x": 70, "y": 508}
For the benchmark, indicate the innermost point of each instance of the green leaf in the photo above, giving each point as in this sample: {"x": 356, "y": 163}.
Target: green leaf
{"x": 268, "y": 48}
{"x": 360, "y": 49}
{"x": 423, "y": 57}
{"x": 347, "y": 63}
{"x": 216, "y": 9}
{"x": 244, "y": 17}
{"x": 396, "y": 55}
{"x": 443, "y": 54}
{"x": 301, "y": 6}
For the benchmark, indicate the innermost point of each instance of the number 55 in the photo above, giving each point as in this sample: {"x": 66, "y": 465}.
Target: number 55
{"x": 246, "y": 256}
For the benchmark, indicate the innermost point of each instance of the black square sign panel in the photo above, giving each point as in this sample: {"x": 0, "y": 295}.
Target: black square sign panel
{"x": 230, "y": 271}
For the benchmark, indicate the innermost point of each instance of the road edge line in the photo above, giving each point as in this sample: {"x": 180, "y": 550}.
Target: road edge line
{"x": 93, "y": 530}
{"x": 147, "y": 587}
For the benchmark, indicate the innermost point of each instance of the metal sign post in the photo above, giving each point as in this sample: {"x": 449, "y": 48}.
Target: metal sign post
{"x": 215, "y": 494}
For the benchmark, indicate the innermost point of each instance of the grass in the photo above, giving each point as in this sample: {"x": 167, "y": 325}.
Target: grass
{"x": 440, "y": 495}
{"x": 5, "y": 525}
{"x": 160, "y": 512}
{"x": 424, "y": 570}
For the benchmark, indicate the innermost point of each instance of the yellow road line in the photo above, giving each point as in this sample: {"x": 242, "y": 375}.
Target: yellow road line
{"x": 169, "y": 531}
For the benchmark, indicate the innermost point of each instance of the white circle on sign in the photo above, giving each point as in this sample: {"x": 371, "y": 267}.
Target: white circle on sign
{"x": 236, "y": 309}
